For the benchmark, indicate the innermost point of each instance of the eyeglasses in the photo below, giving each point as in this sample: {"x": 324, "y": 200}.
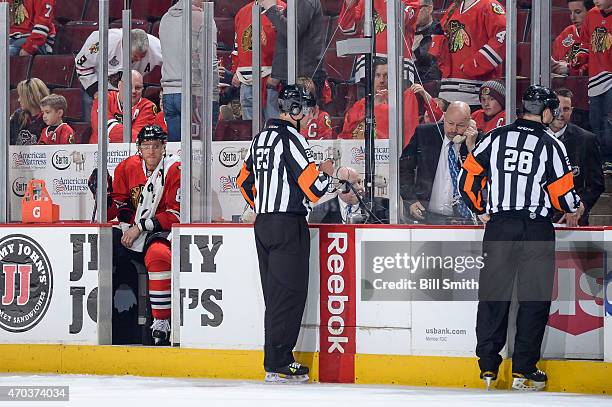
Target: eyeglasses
{"x": 151, "y": 147}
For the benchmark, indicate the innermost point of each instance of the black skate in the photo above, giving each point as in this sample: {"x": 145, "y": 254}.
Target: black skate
{"x": 489, "y": 377}
{"x": 160, "y": 330}
{"x": 535, "y": 381}
{"x": 292, "y": 373}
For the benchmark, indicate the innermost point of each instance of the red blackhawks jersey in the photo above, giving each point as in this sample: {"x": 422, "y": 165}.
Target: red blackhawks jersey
{"x": 128, "y": 182}
{"x": 143, "y": 113}
{"x": 472, "y": 49}
{"x": 354, "y": 121}
{"x": 486, "y": 124}
{"x": 242, "y": 56}
{"x": 33, "y": 19}
{"x": 62, "y": 134}
{"x": 352, "y": 20}
{"x": 596, "y": 36}
{"x": 319, "y": 127}
{"x": 567, "y": 47}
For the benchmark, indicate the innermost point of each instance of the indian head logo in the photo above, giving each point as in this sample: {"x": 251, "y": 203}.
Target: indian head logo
{"x": 601, "y": 40}
{"x": 247, "y": 39}
{"x": 136, "y": 194}
{"x": 458, "y": 37}
{"x": 26, "y": 283}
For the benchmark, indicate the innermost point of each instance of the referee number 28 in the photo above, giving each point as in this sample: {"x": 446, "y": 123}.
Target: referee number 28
{"x": 522, "y": 161}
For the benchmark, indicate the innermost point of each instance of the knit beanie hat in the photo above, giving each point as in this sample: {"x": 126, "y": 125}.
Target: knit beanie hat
{"x": 496, "y": 90}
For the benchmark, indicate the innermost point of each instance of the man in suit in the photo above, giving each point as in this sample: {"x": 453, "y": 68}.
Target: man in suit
{"x": 430, "y": 165}
{"x": 583, "y": 152}
{"x": 339, "y": 208}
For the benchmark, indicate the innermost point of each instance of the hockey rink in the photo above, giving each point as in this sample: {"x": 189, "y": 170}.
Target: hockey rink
{"x": 115, "y": 391}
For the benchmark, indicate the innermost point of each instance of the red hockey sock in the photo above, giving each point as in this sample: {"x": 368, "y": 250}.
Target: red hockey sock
{"x": 157, "y": 261}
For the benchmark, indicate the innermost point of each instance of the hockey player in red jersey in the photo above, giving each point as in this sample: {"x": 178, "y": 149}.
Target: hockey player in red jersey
{"x": 354, "y": 120}
{"x": 569, "y": 57}
{"x": 596, "y": 36}
{"x": 32, "y": 30}
{"x": 56, "y": 132}
{"x": 242, "y": 56}
{"x": 145, "y": 198}
{"x": 351, "y": 23}
{"x": 143, "y": 112}
{"x": 319, "y": 125}
{"x": 493, "y": 102}
{"x": 472, "y": 49}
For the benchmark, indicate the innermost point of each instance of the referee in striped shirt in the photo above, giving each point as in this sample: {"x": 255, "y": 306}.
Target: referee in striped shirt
{"x": 526, "y": 172}
{"x": 278, "y": 179}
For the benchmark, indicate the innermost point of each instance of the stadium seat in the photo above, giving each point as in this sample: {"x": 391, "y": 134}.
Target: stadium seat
{"x": 69, "y": 10}
{"x": 225, "y": 36}
{"x": 153, "y": 78}
{"x": 559, "y": 21}
{"x": 73, "y": 99}
{"x": 229, "y": 8}
{"x": 114, "y": 10}
{"x": 142, "y": 24}
{"x": 82, "y": 130}
{"x": 54, "y": 70}
{"x": 523, "y": 67}
{"x": 235, "y": 130}
{"x": 339, "y": 68}
{"x": 331, "y": 7}
{"x": 150, "y": 10}
{"x": 523, "y": 32}
{"x": 155, "y": 29}
{"x": 20, "y": 68}
{"x": 72, "y": 36}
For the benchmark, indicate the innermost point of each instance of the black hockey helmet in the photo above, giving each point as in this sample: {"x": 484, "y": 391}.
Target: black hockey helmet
{"x": 151, "y": 132}
{"x": 293, "y": 99}
{"x": 538, "y": 98}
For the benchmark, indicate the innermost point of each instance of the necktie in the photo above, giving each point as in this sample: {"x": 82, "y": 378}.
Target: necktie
{"x": 453, "y": 168}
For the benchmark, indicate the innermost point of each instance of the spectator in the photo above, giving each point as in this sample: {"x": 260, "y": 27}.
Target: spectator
{"x": 337, "y": 209}
{"x": 170, "y": 29}
{"x": 493, "y": 102}
{"x": 426, "y": 27}
{"x": 569, "y": 57}
{"x": 596, "y": 35}
{"x": 159, "y": 117}
{"x": 430, "y": 165}
{"x": 32, "y": 30}
{"x": 319, "y": 126}
{"x": 242, "y": 57}
{"x": 56, "y": 132}
{"x": 311, "y": 45}
{"x": 354, "y": 121}
{"x": 26, "y": 123}
{"x": 351, "y": 23}
{"x": 583, "y": 152}
{"x": 431, "y": 105}
{"x": 472, "y": 49}
{"x": 146, "y": 55}
{"x": 143, "y": 112}
{"x": 442, "y": 105}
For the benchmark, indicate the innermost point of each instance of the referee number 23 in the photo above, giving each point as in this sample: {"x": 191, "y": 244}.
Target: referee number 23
{"x": 262, "y": 157}
{"x": 522, "y": 161}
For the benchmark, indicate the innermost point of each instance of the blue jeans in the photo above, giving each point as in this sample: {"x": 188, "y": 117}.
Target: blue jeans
{"x": 600, "y": 117}
{"x": 16, "y": 44}
{"x": 272, "y": 110}
{"x": 246, "y": 101}
{"x": 172, "y": 114}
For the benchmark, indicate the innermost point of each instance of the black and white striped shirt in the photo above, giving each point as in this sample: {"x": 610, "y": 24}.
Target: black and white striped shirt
{"x": 279, "y": 174}
{"x": 524, "y": 167}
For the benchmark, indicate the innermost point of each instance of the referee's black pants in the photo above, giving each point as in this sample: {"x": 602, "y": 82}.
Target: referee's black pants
{"x": 283, "y": 249}
{"x": 515, "y": 247}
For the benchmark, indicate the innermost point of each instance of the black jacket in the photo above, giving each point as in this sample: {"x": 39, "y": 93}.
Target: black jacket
{"x": 426, "y": 64}
{"x": 329, "y": 211}
{"x": 583, "y": 152}
{"x": 419, "y": 162}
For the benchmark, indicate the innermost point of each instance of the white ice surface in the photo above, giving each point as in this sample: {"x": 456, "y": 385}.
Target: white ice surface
{"x": 127, "y": 391}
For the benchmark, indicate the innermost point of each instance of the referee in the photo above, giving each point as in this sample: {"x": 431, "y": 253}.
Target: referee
{"x": 527, "y": 175}
{"x": 277, "y": 179}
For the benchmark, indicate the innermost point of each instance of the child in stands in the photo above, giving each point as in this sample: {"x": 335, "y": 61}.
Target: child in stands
{"x": 53, "y": 108}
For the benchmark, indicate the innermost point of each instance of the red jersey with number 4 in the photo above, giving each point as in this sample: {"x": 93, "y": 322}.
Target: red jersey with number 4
{"x": 62, "y": 134}
{"x": 596, "y": 36}
{"x": 33, "y": 19}
{"x": 143, "y": 113}
{"x": 319, "y": 128}
{"x": 486, "y": 124}
{"x": 128, "y": 182}
{"x": 472, "y": 49}
{"x": 354, "y": 121}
